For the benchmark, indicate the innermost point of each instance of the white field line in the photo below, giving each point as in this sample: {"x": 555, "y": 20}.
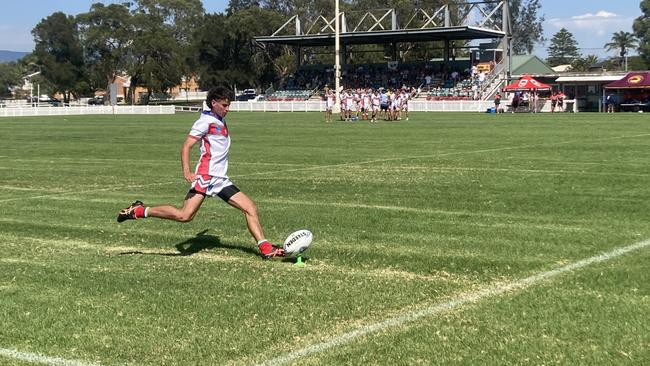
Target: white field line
{"x": 38, "y": 358}
{"x": 320, "y": 167}
{"x": 458, "y": 301}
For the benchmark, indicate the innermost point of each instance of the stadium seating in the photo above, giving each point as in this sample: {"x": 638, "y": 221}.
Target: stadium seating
{"x": 289, "y": 95}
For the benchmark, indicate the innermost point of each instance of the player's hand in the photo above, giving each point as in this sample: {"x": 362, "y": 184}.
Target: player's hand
{"x": 189, "y": 177}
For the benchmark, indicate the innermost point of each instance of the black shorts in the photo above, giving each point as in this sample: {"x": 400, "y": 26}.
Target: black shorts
{"x": 225, "y": 194}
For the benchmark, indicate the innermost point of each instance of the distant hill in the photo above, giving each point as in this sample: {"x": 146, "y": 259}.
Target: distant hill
{"x": 8, "y": 56}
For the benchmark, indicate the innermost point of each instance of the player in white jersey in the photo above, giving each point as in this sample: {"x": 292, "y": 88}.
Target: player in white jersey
{"x": 408, "y": 95}
{"x": 365, "y": 102}
{"x": 350, "y": 105}
{"x": 376, "y": 102}
{"x": 330, "y": 98}
{"x": 394, "y": 105}
{"x": 210, "y": 177}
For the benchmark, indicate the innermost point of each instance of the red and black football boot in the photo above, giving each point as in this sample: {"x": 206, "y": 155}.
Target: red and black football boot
{"x": 129, "y": 213}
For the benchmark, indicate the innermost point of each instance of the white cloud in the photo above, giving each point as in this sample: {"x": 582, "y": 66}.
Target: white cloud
{"x": 600, "y": 22}
{"x": 599, "y": 15}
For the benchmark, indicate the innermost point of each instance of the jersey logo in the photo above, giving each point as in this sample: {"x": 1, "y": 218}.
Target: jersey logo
{"x": 218, "y": 130}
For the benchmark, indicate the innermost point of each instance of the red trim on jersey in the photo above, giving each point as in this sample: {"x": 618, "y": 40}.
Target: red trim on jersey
{"x": 202, "y": 183}
{"x": 204, "y": 162}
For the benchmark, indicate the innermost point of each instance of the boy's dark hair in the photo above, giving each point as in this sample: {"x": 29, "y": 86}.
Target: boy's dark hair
{"x": 219, "y": 93}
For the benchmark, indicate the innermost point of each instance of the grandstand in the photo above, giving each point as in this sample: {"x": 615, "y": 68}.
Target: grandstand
{"x": 446, "y": 78}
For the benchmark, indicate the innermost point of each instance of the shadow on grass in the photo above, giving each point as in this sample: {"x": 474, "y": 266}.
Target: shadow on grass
{"x": 200, "y": 242}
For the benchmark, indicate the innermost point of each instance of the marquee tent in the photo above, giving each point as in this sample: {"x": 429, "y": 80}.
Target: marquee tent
{"x": 526, "y": 83}
{"x": 633, "y": 80}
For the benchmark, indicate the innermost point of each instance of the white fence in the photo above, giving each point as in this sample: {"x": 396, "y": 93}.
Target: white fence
{"x": 84, "y": 110}
{"x": 319, "y": 106}
{"x": 250, "y": 106}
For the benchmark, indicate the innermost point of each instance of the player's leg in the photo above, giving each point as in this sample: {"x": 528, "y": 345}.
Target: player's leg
{"x": 249, "y": 209}
{"x": 191, "y": 205}
{"x": 138, "y": 210}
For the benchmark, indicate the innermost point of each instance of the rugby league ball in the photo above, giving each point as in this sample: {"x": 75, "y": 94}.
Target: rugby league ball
{"x": 297, "y": 242}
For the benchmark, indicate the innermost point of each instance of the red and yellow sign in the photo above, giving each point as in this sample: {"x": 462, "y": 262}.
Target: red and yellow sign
{"x": 635, "y": 79}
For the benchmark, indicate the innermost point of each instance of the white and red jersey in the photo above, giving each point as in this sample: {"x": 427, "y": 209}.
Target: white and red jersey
{"x": 329, "y": 100}
{"x": 366, "y": 101}
{"x": 350, "y": 104}
{"x": 376, "y": 101}
{"x": 212, "y": 132}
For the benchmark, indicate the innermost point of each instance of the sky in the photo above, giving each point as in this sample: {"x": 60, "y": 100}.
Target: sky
{"x": 592, "y": 22}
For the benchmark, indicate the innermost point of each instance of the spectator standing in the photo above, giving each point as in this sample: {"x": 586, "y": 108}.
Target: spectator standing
{"x": 609, "y": 103}
{"x": 515, "y": 101}
{"x": 560, "y": 101}
{"x": 553, "y": 101}
{"x": 497, "y": 102}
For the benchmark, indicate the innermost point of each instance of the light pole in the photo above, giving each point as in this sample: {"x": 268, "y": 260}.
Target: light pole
{"x": 31, "y": 86}
{"x": 337, "y": 59}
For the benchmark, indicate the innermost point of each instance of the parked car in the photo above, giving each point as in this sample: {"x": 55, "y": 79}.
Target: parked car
{"x": 98, "y": 100}
{"x": 44, "y": 100}
{"x": 247, "y": 94}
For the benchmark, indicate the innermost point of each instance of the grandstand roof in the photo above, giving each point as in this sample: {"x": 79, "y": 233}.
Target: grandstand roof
{"x": 385, "y": 36}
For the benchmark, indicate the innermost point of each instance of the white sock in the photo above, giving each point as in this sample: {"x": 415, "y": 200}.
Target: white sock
{"x": 261, "y": 241}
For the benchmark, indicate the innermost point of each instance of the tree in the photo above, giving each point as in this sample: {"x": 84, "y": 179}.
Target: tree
{"x": 229, "y": 57}
{"x": 9, "y": 78}
{"x": 641, "y": 28}
{"x": 161, "y": 52}
{"x": 621, "y": 41}
{"x": 59, "y": 53}
{"x": 238, "y": 5}
{"x": 106, "y": 35}
{"x": 583, "y": 63}
{"x": 563, "y": 49}
{"x": 526, "y": 24}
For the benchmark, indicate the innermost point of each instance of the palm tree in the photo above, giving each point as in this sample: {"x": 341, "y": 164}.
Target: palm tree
{"x": 622, "y": 41}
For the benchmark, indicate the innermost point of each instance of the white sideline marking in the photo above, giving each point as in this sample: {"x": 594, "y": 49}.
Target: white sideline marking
{"x": 460, "y": 300}
{"x": 36, "y": 358}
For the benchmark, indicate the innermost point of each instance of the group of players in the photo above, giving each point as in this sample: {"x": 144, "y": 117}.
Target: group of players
{"x": 370, "y": 105}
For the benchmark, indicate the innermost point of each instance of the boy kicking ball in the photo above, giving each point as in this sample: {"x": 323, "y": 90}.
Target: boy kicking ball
{"x": 210, "y": 177}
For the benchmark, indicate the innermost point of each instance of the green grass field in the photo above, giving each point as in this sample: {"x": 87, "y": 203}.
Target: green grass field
{"x": 443, "y": 240}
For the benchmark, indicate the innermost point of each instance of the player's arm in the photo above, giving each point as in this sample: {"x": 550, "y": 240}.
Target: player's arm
{"x": 185, "y": 158}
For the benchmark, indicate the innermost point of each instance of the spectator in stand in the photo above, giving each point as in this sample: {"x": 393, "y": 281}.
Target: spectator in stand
{"x": 454, "y": 76}
{"x": 427, "y": 80}
{"x": 481, "y": 78}
{"x": 474, "y": 72}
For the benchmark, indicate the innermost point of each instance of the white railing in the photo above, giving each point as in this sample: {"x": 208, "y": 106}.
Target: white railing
{"x": 83, "y": 110}
{"x": 319, "y": 106}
